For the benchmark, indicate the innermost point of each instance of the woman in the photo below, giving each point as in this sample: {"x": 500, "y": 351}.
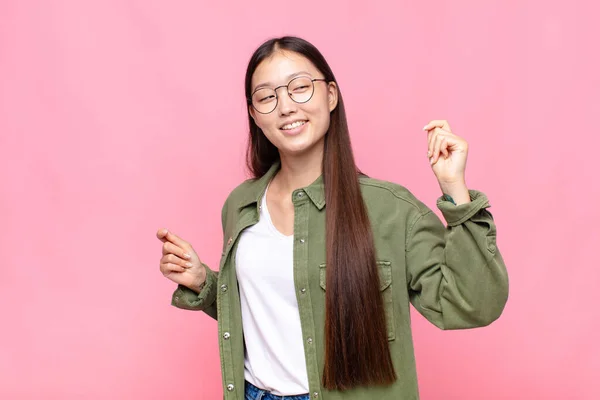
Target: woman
{"x": 321, "y": 262}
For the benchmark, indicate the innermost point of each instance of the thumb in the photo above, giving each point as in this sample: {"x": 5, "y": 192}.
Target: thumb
{"x": 161, "y": 234}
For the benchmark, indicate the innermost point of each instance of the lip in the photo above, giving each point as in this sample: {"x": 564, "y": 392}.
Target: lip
{"x": 295, "y": 131}
{"x": 291, "y": 122}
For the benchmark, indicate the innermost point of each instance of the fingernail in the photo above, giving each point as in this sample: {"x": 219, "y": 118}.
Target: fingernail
{"x": 431, "y": 161}
{"x": 425, "y": 128}
{"x": 186, "y": 255}
{"x": 189, "y": 265}
{"x": 165, "y": 231}
{"x": 429, "y": 154}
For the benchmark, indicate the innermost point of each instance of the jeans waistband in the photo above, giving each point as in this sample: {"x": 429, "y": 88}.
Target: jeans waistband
{"x": 255, "y": 393}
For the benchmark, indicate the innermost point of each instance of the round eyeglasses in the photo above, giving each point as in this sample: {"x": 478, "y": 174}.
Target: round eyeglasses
{"x": 300, "y": 89}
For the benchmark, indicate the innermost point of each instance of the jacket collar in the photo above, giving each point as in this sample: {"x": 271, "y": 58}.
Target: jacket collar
{"x": 256, "y": 188}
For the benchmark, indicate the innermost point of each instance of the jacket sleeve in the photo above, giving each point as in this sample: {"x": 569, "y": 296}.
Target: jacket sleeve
{"x": 185, "y": 298}
{"x": 456, "y": 275}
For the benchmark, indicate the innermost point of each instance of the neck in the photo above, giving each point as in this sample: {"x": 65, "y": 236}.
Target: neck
{"x": 299, "y": 171}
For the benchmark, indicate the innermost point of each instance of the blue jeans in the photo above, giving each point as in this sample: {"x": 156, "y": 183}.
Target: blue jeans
{"x": 254, "y": 393}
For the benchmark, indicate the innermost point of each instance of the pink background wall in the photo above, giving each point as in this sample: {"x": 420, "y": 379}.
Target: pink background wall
{"x": 107, "y": 133}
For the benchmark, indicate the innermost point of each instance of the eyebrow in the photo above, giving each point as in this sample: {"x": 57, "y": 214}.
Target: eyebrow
{"x": 268, "y": 84}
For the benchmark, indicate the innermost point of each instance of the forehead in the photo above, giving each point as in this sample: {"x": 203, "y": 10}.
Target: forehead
{"x": 276, "y": 69}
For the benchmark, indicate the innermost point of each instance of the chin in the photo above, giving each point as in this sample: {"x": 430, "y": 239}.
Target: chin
{"x": 294, "y": 150}
{"x": 297, "y": 149}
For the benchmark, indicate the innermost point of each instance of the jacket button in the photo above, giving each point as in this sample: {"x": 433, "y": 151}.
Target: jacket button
{"x": 300, "y": 195}
{"x": 176, "y": 298}
{"x": 302, "y": 240}
{"x": 309, "y": 340}
{"x": 226, "y": 335}
{"x": 315, "y": 395}
{"x": 303, "y": 290}
{"x": 229, "y": 241}
{"x": 224, "y": 288}
{"x": 230, "y": 387}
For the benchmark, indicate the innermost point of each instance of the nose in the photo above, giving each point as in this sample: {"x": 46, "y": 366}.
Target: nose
{"x": 285, "y": 103}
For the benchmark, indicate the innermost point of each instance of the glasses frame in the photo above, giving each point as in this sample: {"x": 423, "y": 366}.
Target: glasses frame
{"x": 312, "y": 81}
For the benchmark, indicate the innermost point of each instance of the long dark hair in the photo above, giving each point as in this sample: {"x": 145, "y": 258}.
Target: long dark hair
{"x": 356, "y": 346}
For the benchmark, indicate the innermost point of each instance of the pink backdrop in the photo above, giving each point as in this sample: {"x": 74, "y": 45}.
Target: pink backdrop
{"x": 120, "y": 117}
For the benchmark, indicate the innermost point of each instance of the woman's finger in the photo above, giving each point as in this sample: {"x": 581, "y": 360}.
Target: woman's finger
{"x": 432, "y": 138}
{"x": 444, "y": 148}
{"x": 161, "y": 233}
{"x": 170, "y": 248}
{"x": 166, "y": 235}
{"x": 430, "y": 142}
{"x": 436, "y": 148}
{"x": 439, "y": 123}
{"x": 173, "y": 259}
{"x": 167, "y": 268}
{"x": 176, "y": 240}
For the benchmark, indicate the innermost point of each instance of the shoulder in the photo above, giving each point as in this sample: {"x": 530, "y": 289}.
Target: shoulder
{"x": 390, "y": 194}
{"x": 232, "y": 203}
{"x": 238, "y": 193}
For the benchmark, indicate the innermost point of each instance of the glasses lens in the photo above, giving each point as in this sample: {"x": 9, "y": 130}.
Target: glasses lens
{"x": 264, "y": 100}
{"x": 301, "y": 89}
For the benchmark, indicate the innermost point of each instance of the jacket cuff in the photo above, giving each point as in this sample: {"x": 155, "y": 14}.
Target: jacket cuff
{"x": 187, "y": 299}
{"x": 456, "y": 215}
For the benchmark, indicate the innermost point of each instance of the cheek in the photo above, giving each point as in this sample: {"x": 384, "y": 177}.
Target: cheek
{"x": 321, "y": 116}
{"x": 324, "y": 120}
{"x": 266, "y": 123}
{"x": 269, "y": 129}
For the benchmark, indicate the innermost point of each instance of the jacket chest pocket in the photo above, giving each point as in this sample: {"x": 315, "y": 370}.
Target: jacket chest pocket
{"x": 385, "y": 287}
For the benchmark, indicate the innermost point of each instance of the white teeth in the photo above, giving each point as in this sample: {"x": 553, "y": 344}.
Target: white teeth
{"x": 294, "y": 125}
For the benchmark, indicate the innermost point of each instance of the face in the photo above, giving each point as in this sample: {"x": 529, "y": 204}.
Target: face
{"x": 294, "y": 128}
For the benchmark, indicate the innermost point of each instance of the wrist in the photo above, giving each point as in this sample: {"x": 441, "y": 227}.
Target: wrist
{"x": 456, "y": 192}
{"x": 199, "y": 284}
{"x": 198, "y": 287}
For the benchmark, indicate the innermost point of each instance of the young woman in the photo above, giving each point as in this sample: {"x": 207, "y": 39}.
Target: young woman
{"x": 320, "y": 262}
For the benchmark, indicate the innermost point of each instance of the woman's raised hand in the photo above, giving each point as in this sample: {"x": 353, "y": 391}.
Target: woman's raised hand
{"x": 447, "y": 154}
{"x": 179, "y": 261}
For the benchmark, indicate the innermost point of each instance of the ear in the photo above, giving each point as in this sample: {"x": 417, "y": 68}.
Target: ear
{"x": 332, "y": 95}
{"x": 251, "y": 112}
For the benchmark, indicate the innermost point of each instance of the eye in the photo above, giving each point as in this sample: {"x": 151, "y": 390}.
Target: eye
{"x": 263, "y": 96}
{"x": 300, "y": 88}
{"x": 265, "y": 99}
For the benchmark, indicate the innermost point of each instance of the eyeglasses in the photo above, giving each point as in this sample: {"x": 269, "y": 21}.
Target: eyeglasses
{"x": 300, "y": 89}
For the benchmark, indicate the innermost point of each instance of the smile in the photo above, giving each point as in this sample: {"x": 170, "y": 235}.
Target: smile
{"x": 293, "y": 125}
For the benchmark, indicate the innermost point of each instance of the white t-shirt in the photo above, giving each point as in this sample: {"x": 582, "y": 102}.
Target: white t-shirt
{"x": 274, "y": 356}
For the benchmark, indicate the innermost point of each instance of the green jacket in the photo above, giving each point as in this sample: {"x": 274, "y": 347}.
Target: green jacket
{"x": 455, "y": 276}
